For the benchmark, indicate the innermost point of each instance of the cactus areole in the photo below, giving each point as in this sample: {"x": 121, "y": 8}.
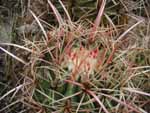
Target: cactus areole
{"x": 81, "y": 61}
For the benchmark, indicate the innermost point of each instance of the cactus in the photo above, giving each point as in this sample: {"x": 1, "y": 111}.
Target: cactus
{"x": 81, "y": 67}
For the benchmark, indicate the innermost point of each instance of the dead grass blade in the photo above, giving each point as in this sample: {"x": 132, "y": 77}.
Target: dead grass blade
{"x": 42, "y": 28}
{"x": 15, "y": 57}
{"x": 111, "y": 22}
{"x": 97, "y": 99}
{"x": 119, "y": 101}
{"x": 57, "y": 14}
{"x": 97, "y": 20}
{"x": 134, "y": 90}
{"x": 19, "y": 46}
{"x": 100, "y": 13}
{"x": 68, "y": 16}
{"x": 83, "y": 96}
{"x": 6, "y": 107}
{"x": 128, "y": 30}
{"x": 90, "y": 93}
{"x": 136, "y": 74}
{"x": 12, "y": 90}
{"x": 67, "y": 97}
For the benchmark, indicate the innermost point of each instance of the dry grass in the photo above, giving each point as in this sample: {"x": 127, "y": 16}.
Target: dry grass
{"x": 119, "y": 84}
